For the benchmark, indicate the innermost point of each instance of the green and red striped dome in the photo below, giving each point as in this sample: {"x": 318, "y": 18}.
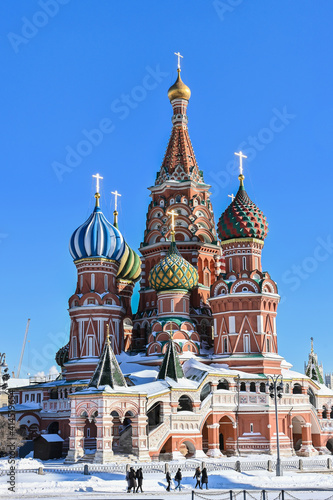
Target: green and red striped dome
{"x": 242, "y": 218}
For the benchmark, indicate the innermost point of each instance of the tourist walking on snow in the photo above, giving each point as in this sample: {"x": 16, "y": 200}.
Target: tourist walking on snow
{"x": 139, "y": 477}
{"x": 178, "y": 478}
{"x": 132, "y": 480}
{"x": 197, "y": 475}
{"x": 168, "y": 478}
{"x": 204, "y": 477}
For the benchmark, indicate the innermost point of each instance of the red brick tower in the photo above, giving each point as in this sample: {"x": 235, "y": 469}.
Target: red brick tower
{"x": 179, "y": 186}
{"x": 244, "y": 300}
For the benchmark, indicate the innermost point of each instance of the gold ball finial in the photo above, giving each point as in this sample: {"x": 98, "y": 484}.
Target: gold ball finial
{"x": 179, "y": 90}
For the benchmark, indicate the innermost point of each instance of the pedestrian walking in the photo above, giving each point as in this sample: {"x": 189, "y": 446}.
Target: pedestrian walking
{"x": 128, "y": 480}
{"x": 168, "y": 478}
{"x": 132, "y": 480}
{"x": 139, "y": 477}
{"x": 204, "y": 477}
{"x": 178, "y": 478}
{"x": 197, "y": 476}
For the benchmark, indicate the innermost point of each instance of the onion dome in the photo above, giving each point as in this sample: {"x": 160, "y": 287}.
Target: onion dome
{"x": 62, "y": 355}
{"x": 130, "y": 265}
{"x": 179, "y": 90}
{"x": 173, "y": 272}
{"x": 97, "y": 237}
{"x": 242, "y": 218}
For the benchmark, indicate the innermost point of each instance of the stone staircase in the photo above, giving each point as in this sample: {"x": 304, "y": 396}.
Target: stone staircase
{"x": 87, "y": 459}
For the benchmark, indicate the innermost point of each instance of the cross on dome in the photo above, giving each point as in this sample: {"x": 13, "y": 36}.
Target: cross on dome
{"x": 98, "y": 178}
{"x": 241, "y": 156}
{"x": 178, "y": 54}
{"x": 173, "y": 215}
{"x": 116, "y": 194}
{"x": 231, "y": 196}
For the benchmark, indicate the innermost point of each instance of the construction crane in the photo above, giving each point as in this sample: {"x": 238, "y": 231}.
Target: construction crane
{"x": 23, "y": 347}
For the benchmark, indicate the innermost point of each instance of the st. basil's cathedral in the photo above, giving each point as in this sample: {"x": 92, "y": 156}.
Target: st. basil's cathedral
{"x": 187, "y": 374}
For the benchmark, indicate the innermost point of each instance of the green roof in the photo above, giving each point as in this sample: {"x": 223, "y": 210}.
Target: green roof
{"x": 171, "y": 366}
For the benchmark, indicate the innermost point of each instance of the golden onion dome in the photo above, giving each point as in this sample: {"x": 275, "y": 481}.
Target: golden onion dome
{"x": 173, "y": 272}
{"x": 179, "y": 90}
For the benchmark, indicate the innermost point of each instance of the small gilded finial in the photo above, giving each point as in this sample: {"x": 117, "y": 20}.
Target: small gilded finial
{"x": 97, "y": 195}
{"x": 115, "y": 213}
{"x": 312, "y": 351}
{"x": 172, "y": 225}
{"x": 179, "y": 90}
{"x": 171, "y": 331}
{"x": 107, "y": 333}
{"x": 241, "y": 176}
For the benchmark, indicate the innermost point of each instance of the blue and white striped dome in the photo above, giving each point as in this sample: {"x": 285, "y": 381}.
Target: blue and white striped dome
{"x": 97, "y": 237}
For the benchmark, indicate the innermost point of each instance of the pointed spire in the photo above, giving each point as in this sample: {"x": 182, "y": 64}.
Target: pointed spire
{"x": 171, "y": 366}
{"x": 108, "y": 371}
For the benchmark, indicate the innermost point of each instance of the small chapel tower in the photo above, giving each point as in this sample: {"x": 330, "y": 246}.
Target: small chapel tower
{"x": 244, "y": 300}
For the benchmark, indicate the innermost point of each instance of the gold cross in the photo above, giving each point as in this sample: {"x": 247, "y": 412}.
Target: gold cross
{"x": 178, "y": 54}
{"x": 231, "y": 196}
{"x": 241, "y": 156}
{"x": 173, "y": 215}
{"x": 116, "y": 194}
{"x": 97, "y": 177}
{"x": 108, "y": 333}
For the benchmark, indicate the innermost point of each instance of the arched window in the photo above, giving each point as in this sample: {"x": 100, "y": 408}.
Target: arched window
{"x": 324, "y": 412}
{"x": 161, "y": 306}
{"x": 287, "y": 389}
{"x": 268, "y": 345}
{"x": 297, "y": 389}
{"x": 244, "y": 263}
{"x": 172, "y": 305}
{"x": 184, "y": 404}
{"x": 184, "y": 305}
{"x": 256, "y": 262}
{"x": 223, "y": 384}
{"x": 92, "y": 281}
{"x": 74, "y": 348}
{"x": 252, "y": 387}
{"x": 262, "y": 387}
{"x": 246, "y": 343}
{"x": 230, "y": 264}
{"x": 178, "y": 198}
{"x": 81, "y": 282}
{"x": 225, "y": 345}
{"x": 106, "y": 285}
{"x": 161, "y": 203}
{"x": 205, "y": 391}
{"x": 243, "y": 387}
{"x": 312, "y": 397}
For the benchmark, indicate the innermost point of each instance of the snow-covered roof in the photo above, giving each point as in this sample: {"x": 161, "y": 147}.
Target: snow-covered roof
{"x": 22, "y": 407}
{"x": 51, "y": 438}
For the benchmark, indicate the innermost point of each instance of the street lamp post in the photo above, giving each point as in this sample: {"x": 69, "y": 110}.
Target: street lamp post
{"x": 275, "y": 387}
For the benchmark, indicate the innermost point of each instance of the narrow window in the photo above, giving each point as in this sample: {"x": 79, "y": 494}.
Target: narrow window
{"x": 244, "y": 263}
{"x": 268, "y": 346}
{"x": 106, "y": 282}
{"x": 38, "y": 398}
{"x": 246, "y": 343}
{"x": 256, "y": 262}
{"x": 26, "y": 397}
{"x": 88, "y": 433}
{"x": 225, "y": 345}
{"x": 230, "y": 264}
{"x": 92, "y": 282}
{"x": 81, "y": 282}
{"x": 74, "y": 348}
{"x": 251, "y": 428}
{"x": 184, "y": 305}
{"x": 32, "y": 397}
{"x": 172, "y": 305}
{"x": 161, "y": 306}
{"x": 90, "y": 346}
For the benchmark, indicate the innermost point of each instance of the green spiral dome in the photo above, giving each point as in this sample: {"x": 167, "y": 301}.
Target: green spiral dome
{"x": 129, "y": 266}
{"x": 173, "y": 272}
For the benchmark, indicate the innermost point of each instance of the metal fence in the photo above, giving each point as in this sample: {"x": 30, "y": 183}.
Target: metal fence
{"x": 187, "y": 466}
{"x": 263, "y": 495}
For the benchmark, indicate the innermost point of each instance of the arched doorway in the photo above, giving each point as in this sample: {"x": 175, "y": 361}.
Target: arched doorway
{"x": 154, "y": 416}
{"x": 297, "y": 423}
{"x": 90, "y": 434}
{"x": 116, "y": 425}
{"x": 227, "y": 440}
{"x": 53, "y": 428}
{"x": 125, "y": 434}
{"x": 187, "y": 449}
{"x": 329, "y": 445}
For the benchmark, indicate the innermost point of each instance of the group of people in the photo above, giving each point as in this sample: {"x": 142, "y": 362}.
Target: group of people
{"x": 135, "y": 479}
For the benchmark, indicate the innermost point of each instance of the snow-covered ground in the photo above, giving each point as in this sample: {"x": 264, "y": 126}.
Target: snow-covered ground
{"x": 113, "y": 486}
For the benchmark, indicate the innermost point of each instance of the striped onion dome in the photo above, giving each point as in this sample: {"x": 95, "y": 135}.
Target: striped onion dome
{"x": 242, "y": 218}
{"x": 97, "y": 237}
{"x": 130, "y": 265}
{"x": 173, "y": 272}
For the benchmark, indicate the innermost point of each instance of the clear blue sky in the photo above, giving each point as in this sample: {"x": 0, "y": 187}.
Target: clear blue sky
{"x": 261, "y": 80}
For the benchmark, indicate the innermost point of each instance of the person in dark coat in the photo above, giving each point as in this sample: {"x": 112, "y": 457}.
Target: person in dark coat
{"x": 204, "y": 477}
{"x": 132, "y": 480}
{"x": 178, "y": 478}
{"x": 139, "y": 477}
{"x": 168, "y": 478}
{"x": 197, "y": 475}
